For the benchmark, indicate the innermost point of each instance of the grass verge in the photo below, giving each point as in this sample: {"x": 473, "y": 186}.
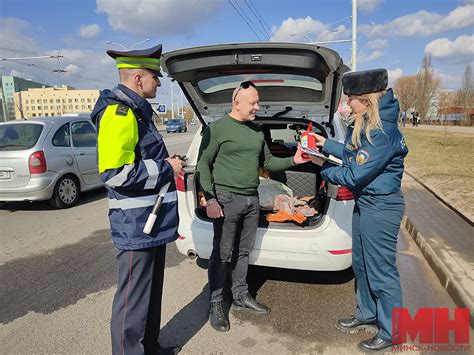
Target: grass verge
{"x": 444, "y": 162}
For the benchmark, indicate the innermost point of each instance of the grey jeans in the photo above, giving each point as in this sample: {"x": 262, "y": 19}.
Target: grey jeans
{"x": 234, "y": 239}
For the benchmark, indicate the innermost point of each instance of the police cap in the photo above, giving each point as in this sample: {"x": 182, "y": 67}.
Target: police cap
{"x": 138, "y": 58}
{"x": 365, "y": 82}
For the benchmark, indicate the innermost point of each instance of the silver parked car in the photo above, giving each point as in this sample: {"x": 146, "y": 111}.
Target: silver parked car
{"x": 50, "y": 158}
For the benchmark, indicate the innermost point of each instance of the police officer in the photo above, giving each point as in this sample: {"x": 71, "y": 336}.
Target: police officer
{"x": 134, "y": 164}
{"x": 372, "y": 169}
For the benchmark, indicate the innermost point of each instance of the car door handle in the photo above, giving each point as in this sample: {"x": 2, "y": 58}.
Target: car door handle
{"x": 82, "y": 153}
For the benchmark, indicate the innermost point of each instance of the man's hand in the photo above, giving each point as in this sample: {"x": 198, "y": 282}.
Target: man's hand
{"x": 300, "y": 156}
{"x": 177, "y": 165}
{"x": 213, "y": 209}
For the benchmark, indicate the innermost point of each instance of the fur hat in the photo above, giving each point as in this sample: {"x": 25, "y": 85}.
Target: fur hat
{"x": 365, "y": 82}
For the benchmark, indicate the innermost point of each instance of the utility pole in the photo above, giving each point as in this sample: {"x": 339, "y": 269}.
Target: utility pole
{"x": 172, "y": 99}
{"x": 354, "y": 36}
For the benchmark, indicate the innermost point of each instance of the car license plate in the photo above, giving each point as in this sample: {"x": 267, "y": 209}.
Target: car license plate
{"x": 4, "y": 175}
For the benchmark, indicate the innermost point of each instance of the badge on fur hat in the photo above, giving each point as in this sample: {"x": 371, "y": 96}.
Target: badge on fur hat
{"x": 362, "y": 157}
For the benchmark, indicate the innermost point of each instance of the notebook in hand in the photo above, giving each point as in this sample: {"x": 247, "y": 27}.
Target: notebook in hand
{"x": 315, "y": 152}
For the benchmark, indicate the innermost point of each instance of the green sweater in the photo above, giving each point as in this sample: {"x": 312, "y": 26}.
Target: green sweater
{"x": 231, "y": 153}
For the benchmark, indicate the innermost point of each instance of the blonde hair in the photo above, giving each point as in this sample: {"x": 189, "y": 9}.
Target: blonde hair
{"x": 368, "y": 120}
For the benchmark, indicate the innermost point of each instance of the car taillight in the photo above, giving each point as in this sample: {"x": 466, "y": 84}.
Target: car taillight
{"x": 179, "y": 181}
{"x": 343, "y": 194}
{"x": 37, "y": 163}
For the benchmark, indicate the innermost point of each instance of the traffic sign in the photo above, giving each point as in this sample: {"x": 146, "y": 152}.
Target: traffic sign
{"x": 161, "y": 109}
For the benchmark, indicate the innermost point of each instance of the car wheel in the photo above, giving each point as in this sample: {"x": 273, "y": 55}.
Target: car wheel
{"x": 66, "y": 192}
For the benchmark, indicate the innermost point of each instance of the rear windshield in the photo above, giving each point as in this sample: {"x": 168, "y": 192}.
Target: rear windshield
{"x": 19, "y": 136}
{"x": 213, "y": 85}
{"x": 174, "y": 121}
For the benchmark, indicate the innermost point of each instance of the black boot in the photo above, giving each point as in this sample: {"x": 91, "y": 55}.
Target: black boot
{"x": 172, "y": 350}
{"x": 218, "y": 317}
{"x": 247, "y": 303}
{"x": 374, "y": 344}
{"x": 353, "y": 325}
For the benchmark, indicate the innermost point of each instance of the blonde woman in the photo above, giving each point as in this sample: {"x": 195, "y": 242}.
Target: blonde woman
{"x": 372, "y": 169}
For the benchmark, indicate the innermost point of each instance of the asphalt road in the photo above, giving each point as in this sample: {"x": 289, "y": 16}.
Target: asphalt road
{"x": 57, "y": 271}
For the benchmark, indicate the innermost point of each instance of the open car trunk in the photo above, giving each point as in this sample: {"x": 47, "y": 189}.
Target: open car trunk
{"x": 304, "y": 180}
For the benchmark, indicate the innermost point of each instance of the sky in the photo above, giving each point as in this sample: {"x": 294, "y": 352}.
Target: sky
{"x": 391, "y": 34}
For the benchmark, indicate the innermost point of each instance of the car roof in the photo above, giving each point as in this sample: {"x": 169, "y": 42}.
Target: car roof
{"x": 53, "y": 119}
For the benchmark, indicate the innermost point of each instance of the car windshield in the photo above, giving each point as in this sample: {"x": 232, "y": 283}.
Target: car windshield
{"x": 19, "y": 136}
{"x": 213, "y": 85}
{"x": 174, "y": 122}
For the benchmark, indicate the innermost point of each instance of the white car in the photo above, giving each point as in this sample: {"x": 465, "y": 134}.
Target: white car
{"x": 297, "y": 84}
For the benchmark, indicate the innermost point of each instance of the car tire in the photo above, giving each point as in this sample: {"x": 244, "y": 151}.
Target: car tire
{"x": 66, "y": 192}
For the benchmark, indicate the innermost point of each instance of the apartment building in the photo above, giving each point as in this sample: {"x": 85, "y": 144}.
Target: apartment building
{"x": 54, "y": 101}
{"x": 9, "y": 85}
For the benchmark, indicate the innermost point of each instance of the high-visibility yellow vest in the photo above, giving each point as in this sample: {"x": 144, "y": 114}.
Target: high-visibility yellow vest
{"x": 118, "y": 137}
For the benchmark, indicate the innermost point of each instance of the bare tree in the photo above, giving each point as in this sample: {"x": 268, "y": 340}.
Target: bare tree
{"x": 19, "y": 105}
{"x": 427, "y": 85}
{"x": 405, "y": 91}
{"x": 464, "y": 95}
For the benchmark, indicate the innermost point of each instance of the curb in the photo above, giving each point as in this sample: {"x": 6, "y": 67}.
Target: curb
{"x": 445, "y": 202}
{"x": 457, "y": 292}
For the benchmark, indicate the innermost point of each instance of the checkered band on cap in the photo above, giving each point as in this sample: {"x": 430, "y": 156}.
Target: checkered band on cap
{"x": 136, "y": 63}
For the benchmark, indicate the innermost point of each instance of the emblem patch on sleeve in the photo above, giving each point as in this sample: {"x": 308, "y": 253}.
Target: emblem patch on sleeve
{"x": 121, "y": 110}
{"x": 362, "y": 157}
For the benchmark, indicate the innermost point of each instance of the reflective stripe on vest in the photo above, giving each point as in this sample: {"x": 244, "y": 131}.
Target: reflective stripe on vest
{"x": 140, "y": 202}
{"x": 118, "y": 136}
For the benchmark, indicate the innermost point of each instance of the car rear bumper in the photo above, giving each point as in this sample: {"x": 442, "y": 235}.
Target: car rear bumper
{"x": 39, "y": 188}
{"x": 325, "y": 248}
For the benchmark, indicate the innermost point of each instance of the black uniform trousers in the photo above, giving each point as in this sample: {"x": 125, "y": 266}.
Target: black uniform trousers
{"x": 136, "y": 309}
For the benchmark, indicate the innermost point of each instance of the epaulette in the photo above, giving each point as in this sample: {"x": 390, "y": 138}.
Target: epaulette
{"x": 121, "y": 110}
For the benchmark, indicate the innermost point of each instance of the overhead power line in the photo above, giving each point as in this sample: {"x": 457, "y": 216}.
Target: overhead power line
{"x": 258, "y": 17}
{"x": 243, "y": 18}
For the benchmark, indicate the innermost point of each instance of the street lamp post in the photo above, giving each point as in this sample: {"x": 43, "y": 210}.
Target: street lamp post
{"x": 145, "y": 40}
{"x": 354, "y": 35}
{"x": 133, "y": 46}
{"x": 117, "y": 44}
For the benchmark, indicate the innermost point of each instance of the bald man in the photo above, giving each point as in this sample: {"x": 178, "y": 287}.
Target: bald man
{"x": 232, "y": 150}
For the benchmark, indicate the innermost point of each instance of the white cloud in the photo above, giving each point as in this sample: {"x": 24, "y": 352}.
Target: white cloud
{"x": 306, "y": 30}
{"x": 368, "y": 6}
{"x": 13, "y": 36}
{"x": 17, "y": 42}
{"x": 459, "y": 50}
{"x": 157, "y": 17}
{"x": 362, "y": 58}
{"x": 89, "y": 31}
{"x": 394, "y": 75}
{"x": 423, "y": 23}
{"x": 378, "y": 43}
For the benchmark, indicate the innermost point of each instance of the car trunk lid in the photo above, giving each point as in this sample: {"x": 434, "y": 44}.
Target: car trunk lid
{"x": 293, "y": 80}
{"x": 18, "y": 141}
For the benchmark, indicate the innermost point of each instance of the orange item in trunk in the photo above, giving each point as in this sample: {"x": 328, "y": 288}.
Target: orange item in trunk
{"x": 282, "y": 216}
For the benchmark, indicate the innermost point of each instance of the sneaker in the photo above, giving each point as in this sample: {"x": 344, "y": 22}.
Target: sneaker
{"x": 247, "y": 303}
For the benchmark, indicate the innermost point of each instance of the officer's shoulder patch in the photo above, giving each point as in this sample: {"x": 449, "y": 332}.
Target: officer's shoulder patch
{"x": 121, "y": 110}
{"x": 350, "y": 146}
{"x": 362, "y": 157}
